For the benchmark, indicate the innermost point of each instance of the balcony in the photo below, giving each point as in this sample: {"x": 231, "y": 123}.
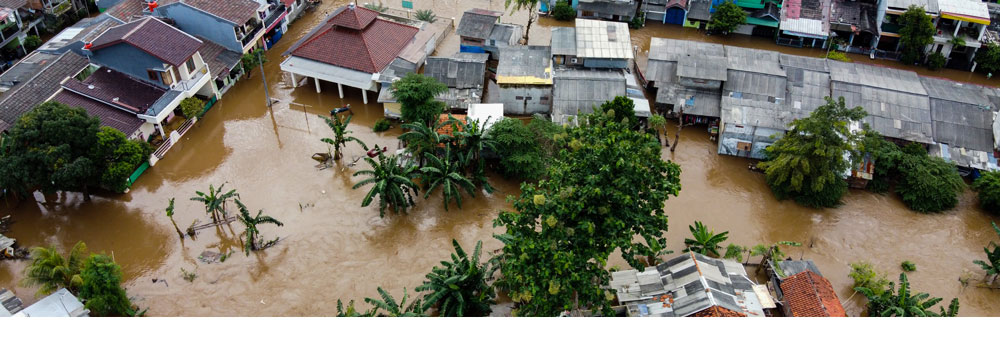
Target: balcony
{"x": 58, "y": 9}
{"x": 249, "y": 37}
{"x": 193, "y": 83}
{"x": 274, "y": 16}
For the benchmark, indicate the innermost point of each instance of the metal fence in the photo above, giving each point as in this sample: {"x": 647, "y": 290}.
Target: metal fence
{"x": 781, "y": 41}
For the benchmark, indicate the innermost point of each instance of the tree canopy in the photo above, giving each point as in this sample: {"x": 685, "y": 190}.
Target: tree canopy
{"x": 525, "y": 150}
{"x": 102, "y": 292}
{"x": 117, "y": 158}
{"x": 727, "y": 17}
{"x": 915, "y": 33}
{"x": 988, "y": 186}
{"x": 926, "y": 184}
{"x": 415, "y": 93}
{"x": 562, "y": 11}
{"x": 807, "y": 162}
{"x": 623, "y": 107}
{"x": 988, "y": 58}
{"x": 606, "y": 187}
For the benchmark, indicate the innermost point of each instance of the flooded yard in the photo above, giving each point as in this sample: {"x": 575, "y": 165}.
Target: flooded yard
{"x": 331, "y": 248}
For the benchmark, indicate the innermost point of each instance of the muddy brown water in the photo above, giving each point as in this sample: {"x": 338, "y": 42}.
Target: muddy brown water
{"x": 333, "y": 249}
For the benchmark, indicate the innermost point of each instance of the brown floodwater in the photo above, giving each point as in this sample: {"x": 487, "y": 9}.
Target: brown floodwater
{"x": 333, "y": 249}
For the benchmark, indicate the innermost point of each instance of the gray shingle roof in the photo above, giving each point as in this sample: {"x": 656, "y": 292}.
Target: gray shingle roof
{"x": 563, "y": 41}
{"x": 477, "y": 23}
{"x": 579, "y": 90}
{"x": 462, "y": 70}
{"x": 219, "y": 59}
{"x": 40, "y": 87}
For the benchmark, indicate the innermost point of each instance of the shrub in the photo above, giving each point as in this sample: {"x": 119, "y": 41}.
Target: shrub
{"x": 865, "y": 276}
{"x": 908, "y": 266}
{"x": 988, "y": 186}
{"x": 936, "y": 61}
{"x": 192, "y": 107}
{"x": 382, "y": 125}
{"x": 426, "y": 15}
{"x": 563, "y": 11}
{"x": 638, "y": 22}
{"x": 32, "y": 42}
{"x": 727, "y": 17}
{"x": 927, "y": 184}
{"x": 838, "y": 56}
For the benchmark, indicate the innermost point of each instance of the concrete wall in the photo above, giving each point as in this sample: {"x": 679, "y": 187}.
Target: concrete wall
{"x": 196, "y": 22}
{"x": 511, "y": 105}
{"x": 605, "y": 63}
{"x": 127, "y": 59}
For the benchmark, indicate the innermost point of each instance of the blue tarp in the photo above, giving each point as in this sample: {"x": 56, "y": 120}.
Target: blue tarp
{"x": 471, "y": 49}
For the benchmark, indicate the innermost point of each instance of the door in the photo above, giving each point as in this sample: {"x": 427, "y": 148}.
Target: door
{"x": 674, "y": 16}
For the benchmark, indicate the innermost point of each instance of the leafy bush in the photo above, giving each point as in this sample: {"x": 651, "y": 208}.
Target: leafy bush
{"x": 927, "y": 184}
{"x": 908, "y": 266}
{"x": 936, "y": 61}
{"x": 623, "y": 107}
{"x": 563, "y": 11}
{"x": 525, "y": 150}
{"x": 988, "y": 58}
{"x": 865, "y": 276}
{"x": 426, "y": 15}
{"x": 638, "y": 22}
{"x": 102, "y": 290}
{"x": 382, "y": 125}
{"x": 838, "y": 56}
{"x": 32, "y": 42}
{"x": 192, "y": 107}
{"x": 988, "y": 186}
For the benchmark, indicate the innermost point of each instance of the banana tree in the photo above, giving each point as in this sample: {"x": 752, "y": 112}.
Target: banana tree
{"x": 215, "y": 201}
{"x": 705, "y": 241}
{"x": 251, "y": 222}
{"x": 340, "y": 135}
{"x": 445, "y": 173}
{"x": 992, "y": 263}
{"x": 391, "y": 182}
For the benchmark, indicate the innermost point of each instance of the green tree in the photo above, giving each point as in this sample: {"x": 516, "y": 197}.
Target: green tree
{"x": 251, "y": 60}
{"x": 727, "y": 17}
{"x": 170, "y": 214}
{"x": 988, "y": 58}
{"x": 657, "y": 123}
{"x": 215, "y": 201}
{"x": 472, "y": 141}
{"x": 192, "y": 107}
{"x": 51, "y": 149}
{"x": 415, "y": 93}
{"x": 525, "y": 150}
{"x": 102, "y": 291}
{"x": 340, "y": 135}
{"x": 117, "y": 157}
{"x": 992, "y": 263}
{"x": 422, "y": 140}
{"x": 705, "y": 241}
{"x": 905, "y": 303}
{"x": 50, "y": 271}
{"x": 988, "y": 186}
{"x": 623, "y": 107}
{"x": 915, "y": 33}
{"x": 562, "y": 11}
{"x": 865, "y": 276}
{"x": 445, "y": 173}
{"x": 396, "y": 309}
{"x": 253, "y": 241}
{"x": 806, "y": 163}
{"x": 605, "y": 189}
{"x": 426, "y": 15}
{"x": 391, "y": 182}
{"x": 32, "y": 42}
{"x": 927, "y": 184}
{"x": 526, "y": 5}
{"x": 458, "y": 287}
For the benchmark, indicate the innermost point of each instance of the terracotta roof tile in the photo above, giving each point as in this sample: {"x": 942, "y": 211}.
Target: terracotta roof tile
{"x": 717, "y": 311}
{"x": 236, "y": 11}
{"x": 13, "y": 4}
{"x": 119, "y": 119}
{"x": 368, "y": 50}
{"x": 117, "y": 89}
{"x": 40, "y": 87}
{"x": 809, "y": 295}
{"x": 353, "y": 18}
{"x": 169, "y": 44}
{"x": 128, "y": 10}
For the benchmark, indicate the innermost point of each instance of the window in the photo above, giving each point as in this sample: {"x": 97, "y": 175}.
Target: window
{"x": 519, "y": 98}
{"x": 153, "y": 75}
{"x": 527, "y": 98}
{"x": 190, "y": 65}
{"x": 544, "y": 98}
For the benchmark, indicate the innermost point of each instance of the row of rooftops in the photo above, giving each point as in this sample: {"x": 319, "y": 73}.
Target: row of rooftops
{"x": 770, "y": 89}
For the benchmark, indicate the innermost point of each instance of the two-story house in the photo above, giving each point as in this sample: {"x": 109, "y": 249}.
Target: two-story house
{"x": 481, "y": 32}
{"x": 17, "y": 19}
{"x": 590, "y": 63}
{"x": 236, "y": 25}
{"x": 275, "y": 17}
{"x": 163, "y": 58}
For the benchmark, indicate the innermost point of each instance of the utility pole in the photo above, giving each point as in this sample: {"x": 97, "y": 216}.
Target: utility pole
{"x": 263, "y": 78}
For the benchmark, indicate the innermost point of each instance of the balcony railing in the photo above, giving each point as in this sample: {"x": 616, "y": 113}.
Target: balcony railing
{"x": 274, "y": 15}
{"x": 188, "y": 85}
{"x": 249, "y": 36}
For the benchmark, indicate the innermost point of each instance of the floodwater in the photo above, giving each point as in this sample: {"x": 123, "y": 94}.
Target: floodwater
{"x": 333, "y": 249}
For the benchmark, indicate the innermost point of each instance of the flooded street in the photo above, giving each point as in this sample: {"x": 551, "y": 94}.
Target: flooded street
{"x": 333, "y": 249}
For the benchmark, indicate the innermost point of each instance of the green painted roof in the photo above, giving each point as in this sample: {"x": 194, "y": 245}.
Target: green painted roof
{"x": 762, "y": 22}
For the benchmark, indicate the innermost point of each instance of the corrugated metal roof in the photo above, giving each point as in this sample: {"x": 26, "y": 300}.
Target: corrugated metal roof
{"x": 968, "y": 8}
{"x": 876, "y": 77}
{"x": 675, "y": 50}
{"x": 59, "y": 304}
{"x": 806, "y": 89}
{"x": 462, "y": 70}
{"x": 504, "y": 31}
{"x": 955, "y": 91}
{"x": 603, "y": 39}
{"x": 524, "y": 65}
{"x": 477, "y": 23}
{"x": 804, "y": 62}
{"x": 579, "y": 90}
{"x": 703, "y": 68}
{"x": 930, "y": 6}
{"x": 693, "y": 101}
{"x": 610, "y": 7}
{"x": 754, "y": 60}
{"x": 756, "y": 86}
{"x": 762, "y": 114}
{"x": 563, "y": 41}
{"x": 892, "y": 113}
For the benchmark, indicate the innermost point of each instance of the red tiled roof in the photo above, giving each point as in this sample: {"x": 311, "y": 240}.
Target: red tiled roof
{"x": 127, "y": 10}
{"x": 117, "y": 89}
{"x": 169, "y": 44}
{"x": 13, "y": 4}
{"x": 236, "y": 11}
{"x": 717, "y": 311}
{"x": 368, "y": 50}
{"x": 123, "y": 121}
{"x": 809, "y": 295}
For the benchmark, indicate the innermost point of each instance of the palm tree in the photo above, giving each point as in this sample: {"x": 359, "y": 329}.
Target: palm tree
{"x": 458, "y": 288}
{"x": 170, "y": 214}
{"x": 51, "y": 271}
{"x": 446, "y": 174}
{"x": 992, "y": 263}
{"x": 904, "y": 303}
{"x": 392, "y": 182}
{"x": 422, "y": 140}
{"x": 252, "y": 240}
{"x": 340, "y": 137}
{"x": 472, "y": 140}
{"x": 394, "y": 309}
{"x": 705, "y": 242}
{"x": 215, "y": 200}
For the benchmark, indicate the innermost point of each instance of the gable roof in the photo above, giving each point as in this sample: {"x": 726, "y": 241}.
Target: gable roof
{"x": 110, "y": 116}
{"x": 40, "y": 87}
{"x": 368, "y": 50}
{"x": 163, "y": 41}
{"x": 127, "y": 10}
{"x": 117, "y": 89}
{"x": 219, "y": 59}
{"x": 808, "y": 294}
{"x": 477, "y": 23}
{"x": 462, "y": 70}
{"x": 235, "y": 11}
{"x": 603, "y": 39}
{"x": 13, "y": 4}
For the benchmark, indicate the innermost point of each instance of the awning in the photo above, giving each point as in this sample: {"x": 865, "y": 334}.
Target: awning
{"x": 966, "y": 18}
{"x": 762, "y": 22}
